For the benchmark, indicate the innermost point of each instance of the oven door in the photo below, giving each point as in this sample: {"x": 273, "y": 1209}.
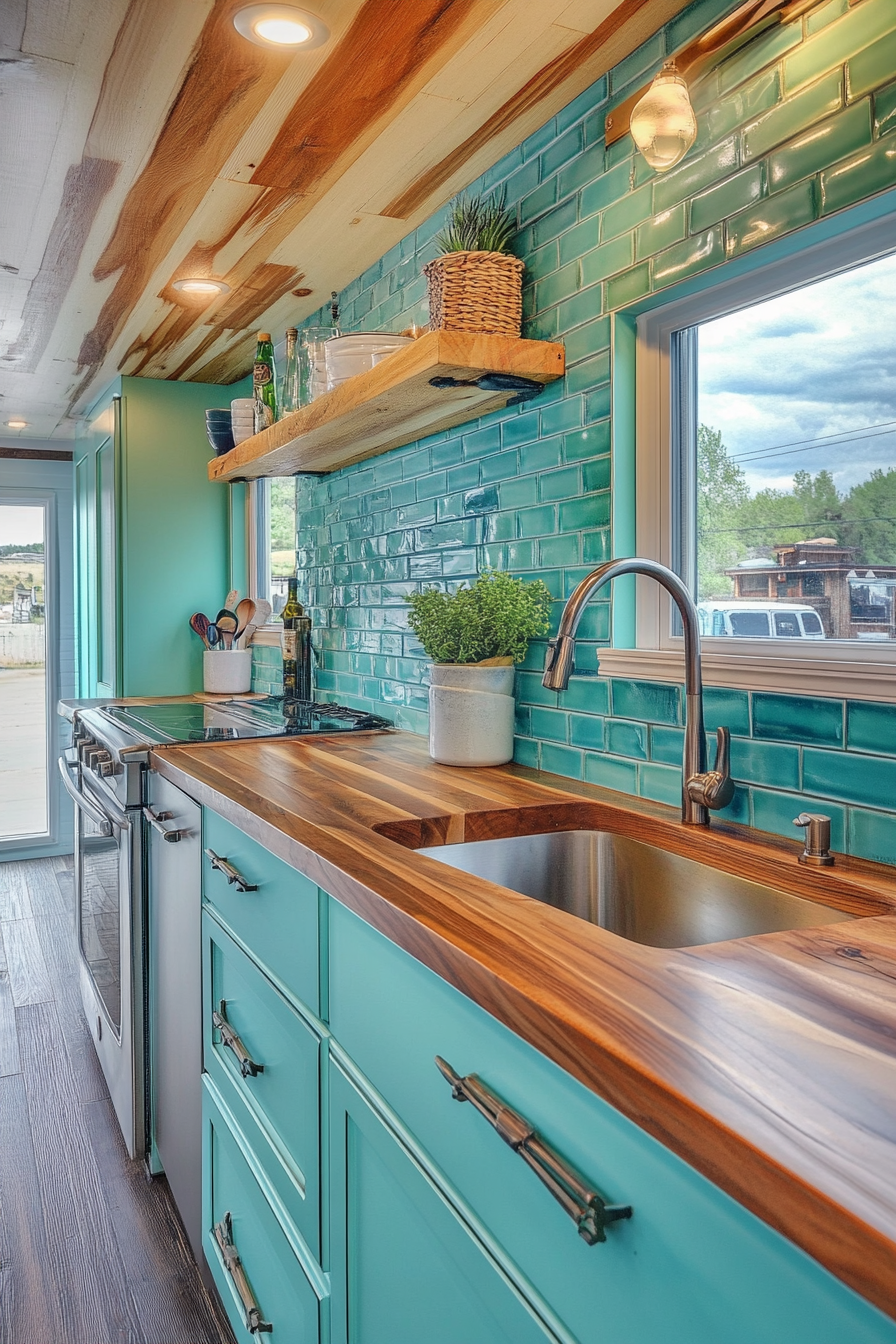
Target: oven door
{"x": 110, "y": 928}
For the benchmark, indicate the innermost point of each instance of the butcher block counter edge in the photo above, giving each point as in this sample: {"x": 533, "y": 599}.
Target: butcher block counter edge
{"x": 767, "y": 1063}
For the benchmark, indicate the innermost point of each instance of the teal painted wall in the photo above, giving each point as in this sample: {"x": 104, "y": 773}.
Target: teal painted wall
{"x": 530, "y": 489}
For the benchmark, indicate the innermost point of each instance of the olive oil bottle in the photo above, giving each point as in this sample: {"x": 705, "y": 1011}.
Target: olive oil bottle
{"x": 295, "y": 644}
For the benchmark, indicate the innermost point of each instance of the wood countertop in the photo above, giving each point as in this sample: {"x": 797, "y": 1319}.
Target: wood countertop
{"x": 768, "y": 1063}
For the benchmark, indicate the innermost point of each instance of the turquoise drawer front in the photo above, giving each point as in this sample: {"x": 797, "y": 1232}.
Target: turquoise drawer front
{"x": 406, "y": 1269}
{"x": 279, "y": 921}
{"x": 691, "y": 1267}
{"x": 279, "y": 1106}
{"x": 283, "y": 1295}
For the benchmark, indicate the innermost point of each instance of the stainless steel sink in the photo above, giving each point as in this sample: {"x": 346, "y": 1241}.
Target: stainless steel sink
{"x": 635, "y": 889}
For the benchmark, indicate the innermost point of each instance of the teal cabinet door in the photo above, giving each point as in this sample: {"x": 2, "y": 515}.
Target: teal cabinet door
{"x": 405, "y": 1268}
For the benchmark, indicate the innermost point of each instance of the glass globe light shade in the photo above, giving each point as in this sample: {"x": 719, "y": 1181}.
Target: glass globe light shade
{"x": 663, "y": 124}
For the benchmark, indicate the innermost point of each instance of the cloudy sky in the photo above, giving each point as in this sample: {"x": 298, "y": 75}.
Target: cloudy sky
{"x": 807, "y": 380}
{"x": 20, "y": 524}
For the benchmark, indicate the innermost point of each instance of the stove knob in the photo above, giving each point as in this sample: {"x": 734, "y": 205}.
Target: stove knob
{"x": 84, "y": 746}
{"x": 98, "y": 759}
{"x": 110, "y": 768}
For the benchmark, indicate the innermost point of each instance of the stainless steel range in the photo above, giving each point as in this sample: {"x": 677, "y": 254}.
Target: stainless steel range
{"x": 105, "y": 772}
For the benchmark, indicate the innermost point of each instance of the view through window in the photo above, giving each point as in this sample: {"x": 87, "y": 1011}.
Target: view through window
{"x": 275, "y": 554}
{"x": 23, "y": 693}
{"x": 796, "y": 463}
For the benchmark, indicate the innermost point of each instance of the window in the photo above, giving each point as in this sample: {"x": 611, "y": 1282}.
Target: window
{"x": 766, "y": 471}
{"x": 273, "y": 541}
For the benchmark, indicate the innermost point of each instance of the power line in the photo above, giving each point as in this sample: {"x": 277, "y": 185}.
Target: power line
{"x": 813, "y": 447}
{"x": 819, "y": 441}
{"x": 778, "y": 527}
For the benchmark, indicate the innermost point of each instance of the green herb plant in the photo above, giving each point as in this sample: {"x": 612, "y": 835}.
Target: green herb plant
{"x": 478, "y": 225}
{"x": 493, "y": 619}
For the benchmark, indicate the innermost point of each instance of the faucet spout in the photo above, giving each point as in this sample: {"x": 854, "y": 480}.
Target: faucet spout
{"x": 695, "y": 799}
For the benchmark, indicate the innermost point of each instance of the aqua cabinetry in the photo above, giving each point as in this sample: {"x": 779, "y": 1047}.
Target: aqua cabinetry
{"x": 369, "y": 1207}
{"x": 151, "y": 537}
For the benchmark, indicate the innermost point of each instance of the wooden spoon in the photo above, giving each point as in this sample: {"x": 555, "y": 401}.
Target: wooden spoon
{"x": 245, "y": 612}
{"x": 199, "y": 626}
{"x": 227, "y": 627}
{"x": 259, "y": 620}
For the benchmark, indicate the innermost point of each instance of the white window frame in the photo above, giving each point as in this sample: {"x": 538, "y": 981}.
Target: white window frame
{"x": 258, "y": 528}
{"x": 834, "y": 668}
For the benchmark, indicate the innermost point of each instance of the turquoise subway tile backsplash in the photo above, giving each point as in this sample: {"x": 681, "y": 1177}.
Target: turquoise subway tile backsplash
{"x": 796, "y": 125}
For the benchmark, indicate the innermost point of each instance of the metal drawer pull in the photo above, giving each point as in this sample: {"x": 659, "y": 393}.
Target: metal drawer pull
{"x": 255, "y": 1322}
{"x": 233, "y": 875}
{"x": 248, "y": 1067}
{"x": 169, "y": 833}
{"x": 584, "y": 1205}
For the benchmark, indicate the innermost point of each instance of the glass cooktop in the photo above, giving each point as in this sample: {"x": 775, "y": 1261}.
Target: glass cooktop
{"x": 227, "y": 721}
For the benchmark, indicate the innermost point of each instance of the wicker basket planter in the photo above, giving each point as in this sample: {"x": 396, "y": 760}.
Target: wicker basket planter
{"x": 477, "y": 292}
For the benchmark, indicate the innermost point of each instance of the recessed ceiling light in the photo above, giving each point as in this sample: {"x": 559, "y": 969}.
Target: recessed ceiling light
{"x": 200, "y": 285}
{"x": 280, "y": 26}
{"x": 17, "y": 424}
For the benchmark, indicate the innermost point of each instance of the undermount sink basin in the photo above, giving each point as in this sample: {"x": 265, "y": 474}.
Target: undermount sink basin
{"x": 634, "y": 889}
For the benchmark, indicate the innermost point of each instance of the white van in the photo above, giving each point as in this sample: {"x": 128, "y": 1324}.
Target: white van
{"x": 759, "y": 620}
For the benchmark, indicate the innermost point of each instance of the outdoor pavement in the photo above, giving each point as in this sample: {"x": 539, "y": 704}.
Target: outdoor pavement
{"x": 23, "y": 752}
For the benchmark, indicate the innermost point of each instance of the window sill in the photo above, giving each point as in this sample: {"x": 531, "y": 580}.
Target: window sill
{"x": 874, "y": 678}
{"x": 267, "y": 637}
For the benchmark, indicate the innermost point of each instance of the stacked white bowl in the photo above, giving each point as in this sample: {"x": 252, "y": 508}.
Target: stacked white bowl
{"x": 242, "y": 418}
{"x": 348, "y": 355}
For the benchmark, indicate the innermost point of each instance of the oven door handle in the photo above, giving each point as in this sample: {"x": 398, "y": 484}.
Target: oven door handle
{"x": 105, "y": 820}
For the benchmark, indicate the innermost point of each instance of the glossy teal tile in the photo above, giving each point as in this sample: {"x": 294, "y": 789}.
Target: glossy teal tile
{"x": 763, "y": 51}
{"x": 885, "y": 110}
{"x": 538, "y": 202}
{"x": 661, "y": 783}
{"x": 872, "y": 67}
{"x": 606, "y": 260}
{"x": 582, "y": 171}
{"x": 579, "y": 240}
{"x": 872, "y": 835}
{"x": 590, "y": 339}
{"x": 589, "y": 694}
{"x": 871, "y": 727}
{"x": 775, "y": 812}
{"x": 498, "y": 467}
{"x": 660, "y": 231}
{"x": 817, "y": 19}
{"x": 519, "y": 429}
{"x": 551, "y": 225}
{"x": 541, "y": 455}
{"x": 730, "y": 196}
{"x": 554, "y": 288}
{"x": 482, "y": 441}
{"x": 550, "y": 724}
{"x": 755, "y": 762}
{"x": 864, "y": 174}
{"x": 562, "y": 416}
{"x": 626, "y": 213}
{"x": 823, "y": 144}
{"x": 839, "y": 41}
{"x": 848, "y": 776}
{"x": 611, "y": 772}
{"x": 596, "y": 475}
{"x": 562, "y": 484}
{"x": 587, "y": 730}
{"x": 606, "y": 189}
{"x": 525, "y": 752}
{"x": 590, "y": 511}
{"x": 690, "y": 257}
{"x": 630, "y": 285}
{"x": 561, "y": 760}
{"x": 796, "y": 718}
{"x": 789, "y": 118}
{"x": 565, "y": 148}
{"x": 588, "y": 373}
{"x": 651, "y": 701}
{"x": 643, "y": 63}
{"x": 723, "y": 115}
{"x": 695, "y": 174}
{"x": 627, "y": 739}
{"x": 726, "y": 709}
{"x": 594, "y": 625}
{"x": 771, "y": 218}
{"x": 591, "y": 442}
{"x": 558, "y": 552}
{"x": 666, "y": 745}
{"x": 537, "y": 522}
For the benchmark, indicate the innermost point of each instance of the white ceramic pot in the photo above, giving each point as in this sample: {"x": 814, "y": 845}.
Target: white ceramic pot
{"x": 471, "y": 714}
{"x": 227, "y": 670}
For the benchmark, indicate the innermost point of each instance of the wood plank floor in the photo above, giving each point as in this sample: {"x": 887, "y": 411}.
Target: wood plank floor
{"x": 91, "y": 1252}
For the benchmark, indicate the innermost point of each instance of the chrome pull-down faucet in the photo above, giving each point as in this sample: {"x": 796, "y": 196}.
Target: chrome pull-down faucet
{"x": 702, "y": 789}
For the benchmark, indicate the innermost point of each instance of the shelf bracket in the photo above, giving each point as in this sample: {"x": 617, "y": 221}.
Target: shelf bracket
{"x": 525, "y": 388}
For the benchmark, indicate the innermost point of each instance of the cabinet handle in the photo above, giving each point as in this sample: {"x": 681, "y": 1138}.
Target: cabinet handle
{"x": 584, "y": 1205}
{"x": 156, "y": 820}
{"x": 255, "y": 1322}
{"x": 248, "y": 1066}
{"x": 233, "y": 875}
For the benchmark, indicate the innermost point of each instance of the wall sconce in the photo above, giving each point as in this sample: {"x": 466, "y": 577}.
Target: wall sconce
{"x": 661, "y": 118}
{"x": 663, "y": 124}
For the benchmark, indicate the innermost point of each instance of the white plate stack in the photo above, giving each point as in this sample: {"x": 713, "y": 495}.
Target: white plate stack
{"x": 242, "y": 418}
{"x": 348, "y": 355}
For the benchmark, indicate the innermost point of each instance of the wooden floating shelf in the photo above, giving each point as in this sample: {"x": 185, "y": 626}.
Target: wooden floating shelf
{"x": 393, "y": 404}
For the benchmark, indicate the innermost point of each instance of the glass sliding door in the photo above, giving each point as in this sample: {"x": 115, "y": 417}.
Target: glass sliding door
{"x": 24, "y": 751}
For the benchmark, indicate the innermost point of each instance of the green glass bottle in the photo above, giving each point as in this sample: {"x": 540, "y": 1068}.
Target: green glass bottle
{"x": 264, "y": 382}
{"x": 295, "y": 644}
{"x": 290, "y": 398}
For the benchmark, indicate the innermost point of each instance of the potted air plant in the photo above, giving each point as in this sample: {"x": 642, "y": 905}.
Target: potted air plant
{"x": 474, "y": 637}
{"x": 476, "y": 284}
